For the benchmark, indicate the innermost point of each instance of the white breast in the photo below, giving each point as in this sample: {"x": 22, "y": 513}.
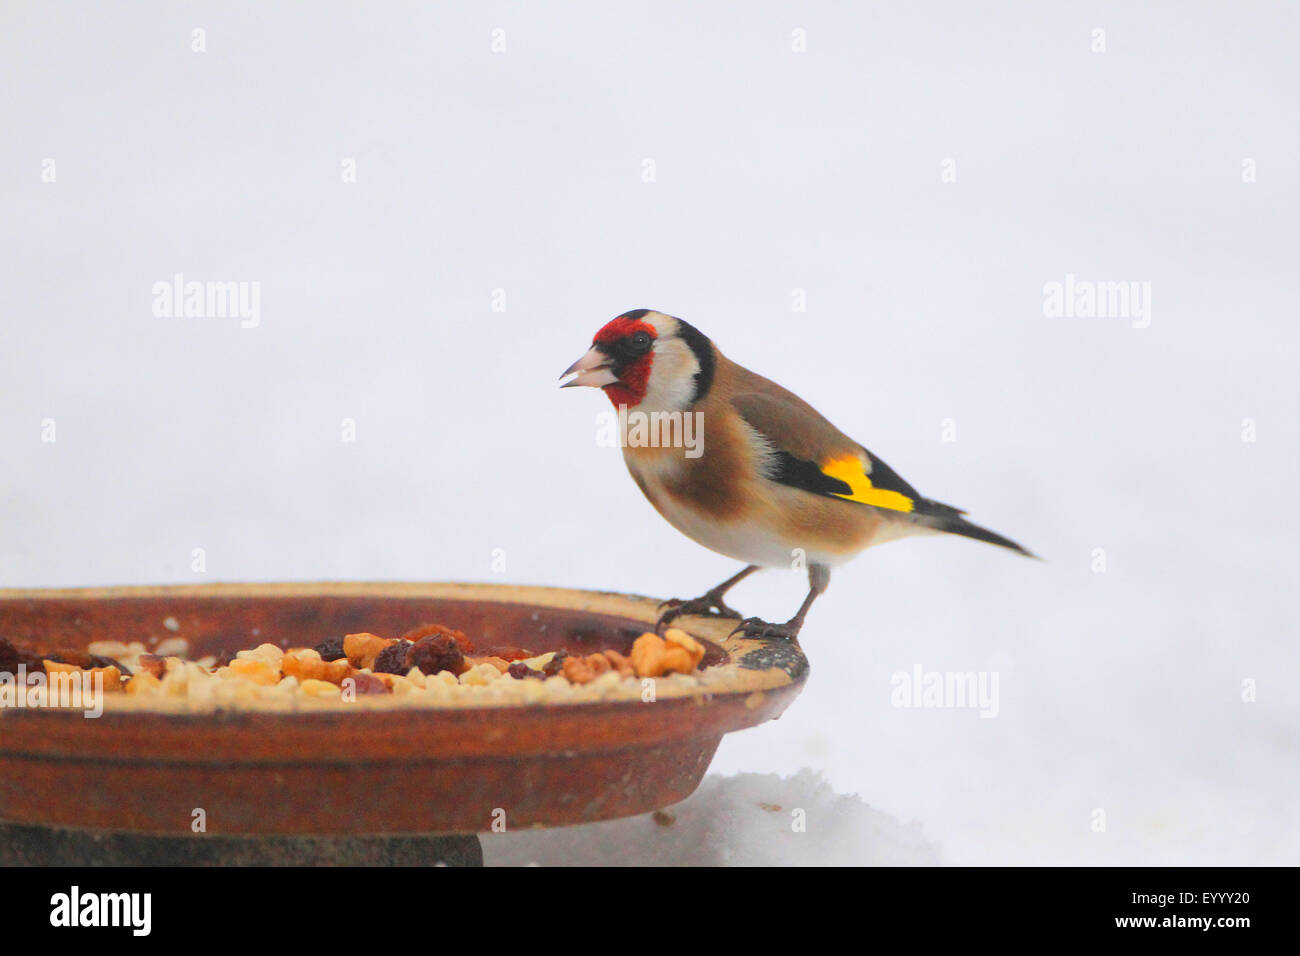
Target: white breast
{"x": 750, "y": 541}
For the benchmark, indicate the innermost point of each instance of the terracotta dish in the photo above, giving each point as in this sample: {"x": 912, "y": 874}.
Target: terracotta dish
{"x": 450, "y": 770}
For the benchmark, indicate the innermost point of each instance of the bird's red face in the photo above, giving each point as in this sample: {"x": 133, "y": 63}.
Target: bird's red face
{"x": 620, "y": 359}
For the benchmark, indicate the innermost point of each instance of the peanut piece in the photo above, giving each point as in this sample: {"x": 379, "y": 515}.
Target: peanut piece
{"x": 144, "y": 683}
{"x": 319, "y": 688}
{"x": 256, "y": 670}
{"x": 577, "y": 671}
{"x": 648, "y": 655}
{"x": 112, "y": 678}
{"x": 676, "y": 636}
{"x": 620, "y": 663}
{"x": 306, "y": 664}
{"x": 362, "y": 649}
{"x": 677, "y": 660}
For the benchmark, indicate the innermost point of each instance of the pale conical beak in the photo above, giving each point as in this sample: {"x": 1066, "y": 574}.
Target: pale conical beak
{"x": 593, "y": 369}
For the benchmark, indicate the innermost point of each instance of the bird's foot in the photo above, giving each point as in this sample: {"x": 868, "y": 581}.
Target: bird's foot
{"x": 757, "y": 627}
{"x": 707, "y": 605}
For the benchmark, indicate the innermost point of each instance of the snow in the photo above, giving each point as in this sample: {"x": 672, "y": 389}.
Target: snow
{"x": 750, "y": 819}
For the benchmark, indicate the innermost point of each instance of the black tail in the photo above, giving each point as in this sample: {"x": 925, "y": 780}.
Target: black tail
{"x": 943, "y": 517}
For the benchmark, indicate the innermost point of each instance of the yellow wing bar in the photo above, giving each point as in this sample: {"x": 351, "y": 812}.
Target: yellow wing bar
{"x": 849, "y": 470}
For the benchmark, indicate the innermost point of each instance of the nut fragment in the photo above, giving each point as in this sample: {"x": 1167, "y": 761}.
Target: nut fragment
{"x": 576, "y": 670}
{"x": 263, "y": 652}
{"x": 362, "y": 649}
{"x": 648, "y": 655}
{"x": 677, "y": 660}
{"x": 480, "y": 674}
{"x": 111, "y": 676}
{"x": 305, "y": 663}
{"x": 620, "y": 663}
{"x": 583, "y": 670}
{"x": 319, "y": 688}
{"x": 336, "y": 671}
{"x": 654, "y": 656}
{"x": 256, "y": 670}
{"x": 694, "y": 649}
{"x": 144, "y": 683}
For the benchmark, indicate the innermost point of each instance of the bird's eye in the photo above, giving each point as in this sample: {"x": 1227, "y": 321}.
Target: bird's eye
{"x": 640, "y": 341}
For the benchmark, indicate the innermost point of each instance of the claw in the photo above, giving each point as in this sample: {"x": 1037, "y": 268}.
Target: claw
{"x": 756, "y": 627}
{"x": 706, "y": 606}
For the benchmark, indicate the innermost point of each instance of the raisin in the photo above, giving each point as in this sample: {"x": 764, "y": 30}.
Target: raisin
{"x": 12, "y": 656}
{"x": 433, "y": 630}
{"x": 330, "y": 649}
{"x": 368, "y": 684}
{"x": 520, "y": 670}
{"x": 436, "y": 652}
{"x": 392, "y": 659}
{"x": 555, "y": 665}
{"x": 8, "y": 656}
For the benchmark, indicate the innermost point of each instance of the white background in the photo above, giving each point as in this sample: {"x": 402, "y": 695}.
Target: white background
{"x": 775, "y": 171}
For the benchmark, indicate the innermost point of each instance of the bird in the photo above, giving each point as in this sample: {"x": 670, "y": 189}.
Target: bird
{"x": 769, "y": 481}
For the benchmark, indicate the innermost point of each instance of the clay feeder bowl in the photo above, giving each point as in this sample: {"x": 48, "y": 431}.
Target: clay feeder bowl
{"x": 383, "y": 771}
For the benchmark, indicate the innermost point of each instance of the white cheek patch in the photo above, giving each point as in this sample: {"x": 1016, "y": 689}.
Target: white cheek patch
{"x": 672, "y": 377}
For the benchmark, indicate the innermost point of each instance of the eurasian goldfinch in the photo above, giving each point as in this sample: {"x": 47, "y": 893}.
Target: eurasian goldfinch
{"x": 746, "y": 468}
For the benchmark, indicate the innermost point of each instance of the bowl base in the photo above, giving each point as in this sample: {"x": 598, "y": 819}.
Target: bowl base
{"x": 37, "y": 845}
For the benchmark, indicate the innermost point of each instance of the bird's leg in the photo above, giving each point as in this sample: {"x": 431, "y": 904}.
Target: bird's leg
{"x": 819, "y": 578}
{"x": 710, "y": 603}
